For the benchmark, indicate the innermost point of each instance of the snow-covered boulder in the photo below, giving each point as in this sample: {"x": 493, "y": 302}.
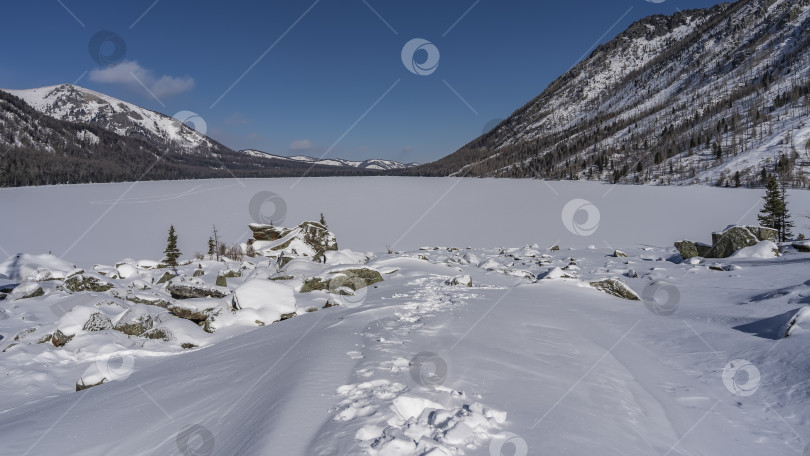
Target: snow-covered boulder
{"x": 616, "y": 288}
{"x": 800, "y": 323}
{"x": 554, "y": 273}
{"x": 196, "y": 310}
{"x": 309, "y": 239}
{"x": 802, "y": 246}
{"x": 346, "y": 256}
{"x": 269, "y": 300}
{"x": 134, "y": 321}
{"x": 191, "y": 290}
{"x": 24, "y": 265}
{"x": 80, "y": 318}
{"x": 462, "y": 280}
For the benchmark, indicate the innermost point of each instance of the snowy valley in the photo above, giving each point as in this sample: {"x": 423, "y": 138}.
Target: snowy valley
{"x": 557, "y": 346}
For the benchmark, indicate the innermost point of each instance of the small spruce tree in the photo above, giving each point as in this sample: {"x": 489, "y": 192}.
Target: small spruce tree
{"x": 172, "y": 252}
{"x": 323, "y": 220}
{"x": 774, "y": 213}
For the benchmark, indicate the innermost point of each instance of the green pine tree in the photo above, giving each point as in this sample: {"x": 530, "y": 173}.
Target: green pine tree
{"x": 774, "y": 213}
{"x": 172, "y": 252}
{"x": 323, "y": 220}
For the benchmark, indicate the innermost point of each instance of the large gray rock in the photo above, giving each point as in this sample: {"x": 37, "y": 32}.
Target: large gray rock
{"x": 726, "y": 243}
{"x": 315, "y": 237}
{"x": 135, "y": 321}
{"x": 689, "y": 249}
{"x": 190, "y": 290}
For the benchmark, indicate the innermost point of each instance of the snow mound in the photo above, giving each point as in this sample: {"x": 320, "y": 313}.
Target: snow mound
{"x": 762, "y": 250}
{"x": 270, "y": 300}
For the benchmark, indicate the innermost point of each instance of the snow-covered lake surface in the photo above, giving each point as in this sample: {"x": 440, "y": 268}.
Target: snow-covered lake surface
{"x": 96, "y": 223}
{"x": 532, "y": 358}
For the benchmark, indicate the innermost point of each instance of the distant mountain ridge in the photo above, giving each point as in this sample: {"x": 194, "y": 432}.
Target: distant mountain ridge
{"x": 69, "y": 134}
{"x": 371, "y": 164}
{"x": 713, "y": 96}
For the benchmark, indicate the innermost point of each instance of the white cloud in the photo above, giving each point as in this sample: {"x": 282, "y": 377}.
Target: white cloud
{"x": 301, "y": 144}
{"x": 132, "y": 74}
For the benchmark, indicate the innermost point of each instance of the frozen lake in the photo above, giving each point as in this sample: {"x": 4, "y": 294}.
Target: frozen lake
{"x": 103, "y": 223}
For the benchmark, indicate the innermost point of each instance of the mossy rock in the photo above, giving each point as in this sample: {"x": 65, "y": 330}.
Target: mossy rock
{"x": 80, "y": 282}
{"x": 221, "y": 281}
{"x": 689, "y": 249}
{"x": 188, "y": 346}
{"x": 34, "y": 294}
{"x": 98, "y": 322}
{"x": 60, "y": 339}
{"x": 314, "y": 284}
{"x": 165, "y": 277}
{"x": 616, "y": 288}
{"x": 554, "y": 248}
{"x": 286, "y": 277}
{"x": 149, "y": 302}
{"x": 330, "y": 303}
{"x": 287, "y": 316}
{"x": 23, "y": 334}
{"x": 80, "y": 385}
{"x": 13, "y": 344}
{"x": 231, "y": 273}
{"x": 198, "y": 273}
{"x": 159, "y": 334}
{"x": 194, "y": 315}
{"x": 45, "y": 339}
{"x": 619, "y": 254}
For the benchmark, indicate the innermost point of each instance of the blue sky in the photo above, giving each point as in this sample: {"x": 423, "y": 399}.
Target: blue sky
{"x": 334, "y": 80}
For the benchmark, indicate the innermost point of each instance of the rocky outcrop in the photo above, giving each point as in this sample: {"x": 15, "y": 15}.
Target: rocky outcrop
{"x": 462, "y": 281}
{"x": 725, "y": 243}
{"x": 190, "y": 290}
{"x": 309, "y": 239}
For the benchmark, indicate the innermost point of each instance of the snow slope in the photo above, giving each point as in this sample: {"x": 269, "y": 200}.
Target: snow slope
{"x": 561, "y": 367}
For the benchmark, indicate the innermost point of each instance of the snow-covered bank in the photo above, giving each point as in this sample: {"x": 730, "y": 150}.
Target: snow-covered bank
{"x": 420, "y": 364}
{"x": 103, "y": 223}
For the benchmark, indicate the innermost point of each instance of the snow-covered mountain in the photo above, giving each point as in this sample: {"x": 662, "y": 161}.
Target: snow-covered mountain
{"x": 371, "y": 164}
{"x": 77, "y": 104}
{"x": 695, "y": 97}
